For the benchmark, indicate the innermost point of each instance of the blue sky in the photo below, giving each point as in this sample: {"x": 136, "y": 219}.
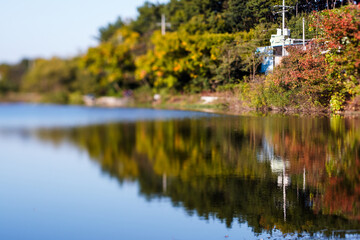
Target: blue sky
{"x": 64, "y": 28}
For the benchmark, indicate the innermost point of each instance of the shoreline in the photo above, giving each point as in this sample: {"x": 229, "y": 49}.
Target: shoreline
{"x": 233, "y": 106}
{"x": 211, "y": 103}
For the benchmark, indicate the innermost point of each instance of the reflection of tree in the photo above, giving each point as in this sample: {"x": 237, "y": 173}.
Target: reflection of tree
{"x": 213, "y": 166}
{"x": 329, "y": 151}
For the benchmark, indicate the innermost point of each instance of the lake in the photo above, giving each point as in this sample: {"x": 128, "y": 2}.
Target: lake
{"x": 71, "y": 172}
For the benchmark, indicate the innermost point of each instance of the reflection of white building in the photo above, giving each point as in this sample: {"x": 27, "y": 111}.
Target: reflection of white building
{"x": 283, "y": 180}
{"x": 278, "y": 166}
{"x": 267, "y": 153}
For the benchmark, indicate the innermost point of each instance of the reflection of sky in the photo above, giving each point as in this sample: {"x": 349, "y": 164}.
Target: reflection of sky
{"x": 35, "y": 116}
{"x": 56, "y": 192}
{"x": 53, "y": 190}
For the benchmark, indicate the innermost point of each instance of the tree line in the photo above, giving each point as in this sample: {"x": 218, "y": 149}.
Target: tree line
{"x": 210, "y": 46}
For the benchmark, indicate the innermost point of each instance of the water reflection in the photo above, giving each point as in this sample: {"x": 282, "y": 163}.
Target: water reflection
{"x": 288, "y": 173}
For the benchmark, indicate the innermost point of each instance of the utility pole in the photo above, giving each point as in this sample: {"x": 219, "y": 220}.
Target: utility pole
{"x": 304, "y": 176}
{"x": 284, "y": 9}
{"x": 163, "y": 24}
{"x": 284, "y": 191}
{"x": 283, "y": 28}
{"x": 164, "y": 182}
{"x": 303, "y": 22}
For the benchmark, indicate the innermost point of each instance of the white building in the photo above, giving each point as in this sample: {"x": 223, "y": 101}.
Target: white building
{"x": 274, "y": 53}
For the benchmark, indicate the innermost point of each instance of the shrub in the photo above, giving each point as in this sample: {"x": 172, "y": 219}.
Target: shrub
{"x": 336, "y": 102}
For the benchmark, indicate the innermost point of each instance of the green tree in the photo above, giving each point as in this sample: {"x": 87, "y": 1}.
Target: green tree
{"x": 244, "y": 15}
{"x": 182, "y": 11}
{"x": 107, "y": 32}
{"x": 149, "y": 16}
{"x": 53, "y": 78}
{"x": 112, "y": 62}
{"x": 12, "y": 75}
{"x": 182, "y": 61}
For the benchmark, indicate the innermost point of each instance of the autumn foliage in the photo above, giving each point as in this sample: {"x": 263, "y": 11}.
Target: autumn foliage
{"x": 327, "y": 72}
{"x": 212, "y": 46}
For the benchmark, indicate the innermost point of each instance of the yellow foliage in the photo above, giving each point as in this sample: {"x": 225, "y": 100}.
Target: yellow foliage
{"x": 177, "y": 68}
{"x": 143, "y": 74}
{"x": 111, "y": 60}
{"x": 180, "y": 55}
{"x": 159, "y": 73}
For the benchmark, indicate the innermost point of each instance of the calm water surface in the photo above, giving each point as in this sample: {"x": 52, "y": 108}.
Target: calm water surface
{"x": 92, "y": 173}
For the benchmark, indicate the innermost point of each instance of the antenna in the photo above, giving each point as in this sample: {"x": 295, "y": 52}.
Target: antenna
{"x": 303, "y": 22}
{"x": 284, "y": 9}
{"x": 163, "y": 24}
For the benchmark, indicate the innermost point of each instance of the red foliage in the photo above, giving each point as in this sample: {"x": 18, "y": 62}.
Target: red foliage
{"x": 330, "y": 62}
{"x": 340, "y": 33}
{"x": 341, "y": 199}
{"x": 303, "y": 70}
{"x": 339, "y": 27}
